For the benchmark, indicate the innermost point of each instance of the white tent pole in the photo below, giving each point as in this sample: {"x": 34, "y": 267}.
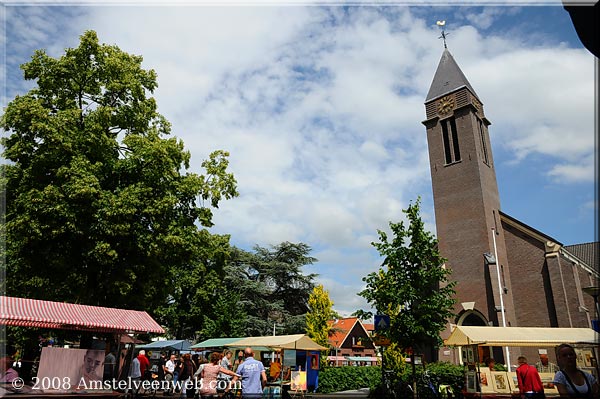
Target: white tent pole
{"x": 500, "y": 293}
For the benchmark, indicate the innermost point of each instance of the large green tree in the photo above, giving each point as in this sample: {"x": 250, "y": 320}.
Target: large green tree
{"x": 272, "y": 286}
{"x": 412, "y": 285}
{"x": 100, "y": 206}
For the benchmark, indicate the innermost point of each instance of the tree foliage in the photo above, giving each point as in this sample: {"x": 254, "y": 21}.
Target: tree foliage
{"x": 412, "y": 286}
{"x": 100, "y": 207}
{"x": 272, "y": 287}
{"x": 320, "y": 312}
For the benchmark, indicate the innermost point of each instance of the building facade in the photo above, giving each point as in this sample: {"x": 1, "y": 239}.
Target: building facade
{"x": 507, "y": 273}
{"x": 350, "y": 343}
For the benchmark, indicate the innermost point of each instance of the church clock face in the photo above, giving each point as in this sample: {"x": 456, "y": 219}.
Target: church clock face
{"x": 445, "y": 105}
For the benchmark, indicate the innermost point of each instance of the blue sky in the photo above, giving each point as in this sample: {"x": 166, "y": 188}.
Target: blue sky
{"x": 321, "y": 110}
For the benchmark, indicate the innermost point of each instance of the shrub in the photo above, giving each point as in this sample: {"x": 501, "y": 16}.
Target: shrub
{"x": 335, "y": 379}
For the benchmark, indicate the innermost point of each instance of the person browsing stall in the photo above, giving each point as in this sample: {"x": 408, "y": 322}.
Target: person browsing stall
{"x": 253, "y": 376}
{"x": 275, "y": 370}
{"x": 570, "y": 381}
{"x": 530, "y": 383}
{"x": 545, "y": 366}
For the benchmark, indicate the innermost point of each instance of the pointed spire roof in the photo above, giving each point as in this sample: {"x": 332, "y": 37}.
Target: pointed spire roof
{"x": 448, "y": 77}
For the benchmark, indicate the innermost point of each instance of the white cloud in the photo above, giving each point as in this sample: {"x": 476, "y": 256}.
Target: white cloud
{"x": 320, "y": 109}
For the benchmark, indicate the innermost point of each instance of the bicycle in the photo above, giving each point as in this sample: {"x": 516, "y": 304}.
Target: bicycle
{"x": 428, "y": 383}
{"x": 390, "y": 389}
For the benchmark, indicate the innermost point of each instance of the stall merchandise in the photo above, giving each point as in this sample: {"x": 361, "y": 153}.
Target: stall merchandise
{"x": 502, "y": 382}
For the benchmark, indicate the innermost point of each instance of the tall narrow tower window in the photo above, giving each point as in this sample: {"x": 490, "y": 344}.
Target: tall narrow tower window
{"x": 483, "y": 143}
{"x": 450, "y": 140}
{"x": 455, "y": 140}
{"x": 447, "y": 151}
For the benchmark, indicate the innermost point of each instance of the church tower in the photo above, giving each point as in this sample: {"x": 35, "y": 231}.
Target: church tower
{"x": 466, "y": 199}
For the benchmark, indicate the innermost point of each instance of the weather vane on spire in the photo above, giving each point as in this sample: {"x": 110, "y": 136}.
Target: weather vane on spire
{"x": 444, "y": 34}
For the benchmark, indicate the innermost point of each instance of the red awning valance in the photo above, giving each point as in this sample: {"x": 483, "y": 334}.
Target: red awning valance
{"x": 69, "y": 316}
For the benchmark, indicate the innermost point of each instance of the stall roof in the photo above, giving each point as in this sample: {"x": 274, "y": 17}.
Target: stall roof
{"x": 70, "y": 316}
{"x": 214, "y": 343}
{"x": 172, "y": 344}
{"x": 520, "y": 336}
{"x": 297, "y": 341}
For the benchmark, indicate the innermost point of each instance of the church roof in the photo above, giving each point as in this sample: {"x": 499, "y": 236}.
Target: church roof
{"x": 542, "y": 237}
{"x": 448, "y": 77}
{"x": 587, "y": 252}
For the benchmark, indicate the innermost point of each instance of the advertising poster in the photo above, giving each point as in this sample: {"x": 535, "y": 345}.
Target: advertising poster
{"x": 63, "y": 369}
{"x": 314, "y": 362}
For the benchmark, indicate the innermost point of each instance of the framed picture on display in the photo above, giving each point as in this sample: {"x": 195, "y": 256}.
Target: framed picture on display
{"x": 579, "y": 353}
{"x": 549, "y": 387}
{"x": 500, "y": 382}
{"x": 298, "y": 382}
{"x": 587, "y": 357}
{"x": 485, "y": 380}
{"x": 513, "y": 382}
{"x": 471, "y": 381}
{"x": 470, "y": 355}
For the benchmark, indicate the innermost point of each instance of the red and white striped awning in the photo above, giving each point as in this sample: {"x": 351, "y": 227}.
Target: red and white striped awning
{"x": 69, "y": 316}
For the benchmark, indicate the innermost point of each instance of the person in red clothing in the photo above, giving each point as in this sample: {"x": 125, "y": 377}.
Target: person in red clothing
{"x": 144, "y": 362}
{"x": 530, "y": 383}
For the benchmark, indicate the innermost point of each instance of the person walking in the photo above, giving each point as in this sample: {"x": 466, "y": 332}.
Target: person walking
{"x": 185, "y": 377}
{"x": 210, "y": 373}
{"x": 570, "y": 381}
{"x": 135, "y": 377}
{"x": 530, "y": 383}
{"x": 252, "y": 373}
{"x": 144, "y": 363}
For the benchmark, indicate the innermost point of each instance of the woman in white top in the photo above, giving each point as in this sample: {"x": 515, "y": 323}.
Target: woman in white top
{"x": 570, "y": 381}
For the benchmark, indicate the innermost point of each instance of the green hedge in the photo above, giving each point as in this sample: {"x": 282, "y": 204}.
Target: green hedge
{"x": 335, "y": 379}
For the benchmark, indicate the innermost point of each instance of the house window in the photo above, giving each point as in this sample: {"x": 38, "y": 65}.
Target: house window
{"x": 450, "y": 141}
{"x": 483, "y": 143}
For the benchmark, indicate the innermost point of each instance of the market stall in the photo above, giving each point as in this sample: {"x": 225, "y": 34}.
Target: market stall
{"x": 300, "y": 353}
{"x": 482, "y": 380}
{"x": 65, "y": 366}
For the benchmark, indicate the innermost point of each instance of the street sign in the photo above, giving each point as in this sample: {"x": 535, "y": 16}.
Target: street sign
{"x": 382, "y": 322}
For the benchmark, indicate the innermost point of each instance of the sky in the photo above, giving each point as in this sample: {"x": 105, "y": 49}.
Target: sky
{"x": 320, "y": 107}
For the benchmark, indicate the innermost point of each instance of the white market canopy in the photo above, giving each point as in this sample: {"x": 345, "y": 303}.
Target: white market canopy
{"x": 520, "y": 336}
{"x": 296, "y": 341}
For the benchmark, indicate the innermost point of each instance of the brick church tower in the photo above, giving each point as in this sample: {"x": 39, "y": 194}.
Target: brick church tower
{"x": 483, "y": 244}
{"x": 466, "y": 198}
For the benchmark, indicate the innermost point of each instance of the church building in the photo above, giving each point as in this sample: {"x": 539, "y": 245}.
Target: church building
{"x": 507, "y": 273}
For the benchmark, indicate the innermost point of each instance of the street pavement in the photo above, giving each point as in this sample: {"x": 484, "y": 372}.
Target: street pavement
{"x": 353, "y": 394}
